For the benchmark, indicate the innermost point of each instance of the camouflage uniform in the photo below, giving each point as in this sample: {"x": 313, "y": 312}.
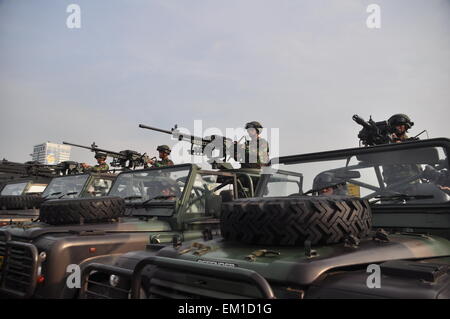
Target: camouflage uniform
{"x": 99, "y": 168}
{"x": 163, "y": 162}
{"x": 397, "y": 172}
{"x": 256, "y": 153}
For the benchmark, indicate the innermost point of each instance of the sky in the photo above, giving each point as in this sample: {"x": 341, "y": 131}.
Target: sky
{"x": 303, "y": 67}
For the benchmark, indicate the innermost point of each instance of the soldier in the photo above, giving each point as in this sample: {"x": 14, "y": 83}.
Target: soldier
{"x": 327, "y": 184}
{"x": 256, "y": 151}
{"x": 164, "y": 152}
{"x": 101, "y": 164}
{"x": 400, "y": 124}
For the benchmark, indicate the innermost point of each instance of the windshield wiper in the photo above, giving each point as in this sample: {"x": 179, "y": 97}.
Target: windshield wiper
{"x": 66, "y": 194}
{"x": 157, "y": 197}
{"x": 401, "y": 197}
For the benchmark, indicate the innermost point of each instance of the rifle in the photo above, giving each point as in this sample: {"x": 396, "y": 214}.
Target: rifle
{"x": 126, "y": 159}
{"x": 373, "y": 133}
{"x": 202, "y": 145}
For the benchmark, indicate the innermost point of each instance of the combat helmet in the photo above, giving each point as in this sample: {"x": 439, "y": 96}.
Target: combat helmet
{"x": 400, "y": 119}
{"x": 100, "y": 155}
{"x": 329, "y": 180}
{"x": 164, "y": 148}
{"x": 254, "y": 124}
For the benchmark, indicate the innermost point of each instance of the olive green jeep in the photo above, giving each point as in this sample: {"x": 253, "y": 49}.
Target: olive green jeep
{"x": 369, "y": 222}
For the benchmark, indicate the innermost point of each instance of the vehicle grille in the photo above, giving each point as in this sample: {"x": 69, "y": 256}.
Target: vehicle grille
{"x": 3, "y": 239}
{"x": 19, "y": 270}
{"x": 179, "y": 285}
{"x": 101, "y": 289}
{"x": 19, "y": 267}
{"x": 97, "y": 283}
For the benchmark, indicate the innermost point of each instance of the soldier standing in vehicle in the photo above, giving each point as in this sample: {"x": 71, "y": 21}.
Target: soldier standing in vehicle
{"x": 101, "y": 164}
{"x": 400, "y": 124}
{"x": 255, "y": 151}
{"x": 164, "y": 152}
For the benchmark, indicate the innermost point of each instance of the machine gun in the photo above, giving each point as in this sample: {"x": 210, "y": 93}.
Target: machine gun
{"x": 373, "y": 133}
{"x": 203, "y": 145}
{"x": 126, "y": 159}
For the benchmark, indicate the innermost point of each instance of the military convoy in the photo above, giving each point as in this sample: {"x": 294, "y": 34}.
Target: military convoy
{"x": 289, "y": 242}
{"x": 163, "y": 205}
{"x": 306, "y": 226}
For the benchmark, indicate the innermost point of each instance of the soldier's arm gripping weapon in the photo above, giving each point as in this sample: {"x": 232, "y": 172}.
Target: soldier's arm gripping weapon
{"x": 126, "y": 159}
{"x": 373, "y": 133}
{"x": 199, "y": 145}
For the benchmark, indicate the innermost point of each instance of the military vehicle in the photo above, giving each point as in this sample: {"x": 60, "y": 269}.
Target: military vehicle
{"x": 354, "y": 215}
{"x": 22, "y": 185}
{"x": 20, "y": 199}
{"x": 166, "y": 205}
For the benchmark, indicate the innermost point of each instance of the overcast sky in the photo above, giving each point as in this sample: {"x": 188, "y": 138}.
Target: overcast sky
{"x": 304, "y": 67}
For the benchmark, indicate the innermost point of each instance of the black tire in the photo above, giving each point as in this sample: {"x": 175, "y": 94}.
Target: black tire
{"x": 20, "y": 202}
{"x": 81, "y": 210}
{"x": 290, "y": 221}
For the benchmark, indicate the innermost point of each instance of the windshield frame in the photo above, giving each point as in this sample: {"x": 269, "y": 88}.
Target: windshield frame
{"x": 65, "y": 177}
{"x": 343, "y": 154}
{"x": 136, "y": 207}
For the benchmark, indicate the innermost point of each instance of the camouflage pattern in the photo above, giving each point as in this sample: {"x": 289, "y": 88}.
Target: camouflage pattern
{"x": 163, "y": 162}
{"x": 398, "y": 172}
{"x": 256, "y": 153}
{"x": 99, "y": 168}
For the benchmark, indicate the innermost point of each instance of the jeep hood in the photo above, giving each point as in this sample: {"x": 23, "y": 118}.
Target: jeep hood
{"x": 32, "y": 231}
{"x": 292, "y": 266}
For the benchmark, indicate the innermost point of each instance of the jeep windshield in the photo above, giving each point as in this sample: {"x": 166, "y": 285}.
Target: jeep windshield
{"x": 23, "y": 188}
{"x": 74, "y": 186}
{"x": 65, "y": 187}
{"x": 151, "y": 191}
{"x": 406, "y": 173}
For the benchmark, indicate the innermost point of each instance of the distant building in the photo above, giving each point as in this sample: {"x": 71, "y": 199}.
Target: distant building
{"x": 51, "y": 153}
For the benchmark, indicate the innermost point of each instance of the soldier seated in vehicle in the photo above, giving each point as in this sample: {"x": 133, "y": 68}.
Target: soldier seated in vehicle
{"x": 163, "y": 190}
{"x": 164, "y": 152}
{"x": 101, "y": 164}
{"x": 328, "y": 184}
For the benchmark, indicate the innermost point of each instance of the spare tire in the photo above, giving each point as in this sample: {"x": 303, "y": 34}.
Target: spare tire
{"x": 81, "y": 210}
{"x": 20, "y": 201}
{"x": 291, "y": 221}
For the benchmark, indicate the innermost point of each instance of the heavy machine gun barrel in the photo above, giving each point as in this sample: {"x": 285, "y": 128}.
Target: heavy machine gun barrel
{"x": 126, "y": 159}
{"x": 202, "y": 145}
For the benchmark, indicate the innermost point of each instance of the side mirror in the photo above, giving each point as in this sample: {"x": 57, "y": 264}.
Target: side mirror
{"x": 213, "y": 205}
